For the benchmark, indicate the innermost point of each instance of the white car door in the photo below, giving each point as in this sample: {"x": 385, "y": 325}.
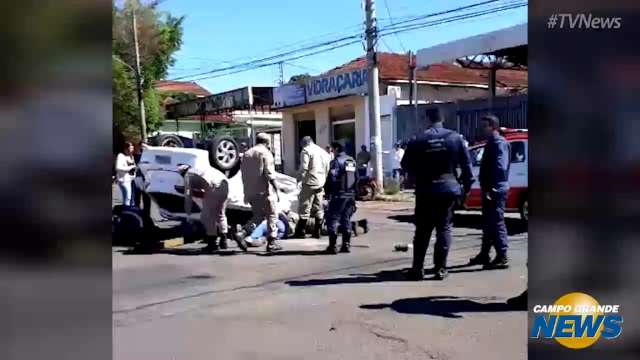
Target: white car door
{"x": 519, "y": 172}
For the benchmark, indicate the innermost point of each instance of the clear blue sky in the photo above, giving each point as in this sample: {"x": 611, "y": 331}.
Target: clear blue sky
{"x": 220, "y": 32}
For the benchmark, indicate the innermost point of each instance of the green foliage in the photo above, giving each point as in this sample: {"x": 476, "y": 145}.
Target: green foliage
{"x": 299, "y": 79}
{"x": 159, "y": 37}
{"x": 391, "y": 186}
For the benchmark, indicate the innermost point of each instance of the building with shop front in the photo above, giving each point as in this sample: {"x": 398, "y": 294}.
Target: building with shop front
{"x": 334, "y": 106}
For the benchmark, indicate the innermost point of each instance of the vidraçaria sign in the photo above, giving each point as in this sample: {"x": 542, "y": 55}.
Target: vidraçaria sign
{"x": 338, "y": 84}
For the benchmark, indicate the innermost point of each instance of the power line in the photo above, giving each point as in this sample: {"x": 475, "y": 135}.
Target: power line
{"x": 291, "y": 52}
{"x": 386, "y": 5}
{"x": 400, "y": 29}
{"x": 344, "y": 40}
{"x": 258, "y": 66}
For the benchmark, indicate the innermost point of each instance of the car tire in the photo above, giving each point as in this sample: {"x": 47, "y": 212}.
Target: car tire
{"x": 524, "y": 209}
{"x": 170, "y": 141}
{"x": 224, "y": 153}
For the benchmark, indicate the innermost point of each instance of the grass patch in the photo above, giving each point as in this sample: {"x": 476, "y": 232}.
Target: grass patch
{"x": 391, "y": 187}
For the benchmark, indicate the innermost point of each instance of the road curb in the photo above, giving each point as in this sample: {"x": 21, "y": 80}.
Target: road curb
{"x": 172, "y": 243}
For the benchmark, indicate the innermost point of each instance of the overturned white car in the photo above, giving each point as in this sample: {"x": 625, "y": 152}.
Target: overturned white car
{"x": 166, "y": 186}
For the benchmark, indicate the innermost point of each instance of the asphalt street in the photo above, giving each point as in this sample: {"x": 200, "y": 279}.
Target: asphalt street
{"x": 298, "y": 304}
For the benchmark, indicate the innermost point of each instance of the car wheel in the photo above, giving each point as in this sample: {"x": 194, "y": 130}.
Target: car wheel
{"x": 127, "y": 226}
{"x": 224, "y": 153}
{"x": 524, "y": 210}
{"x": 170, "y": 141}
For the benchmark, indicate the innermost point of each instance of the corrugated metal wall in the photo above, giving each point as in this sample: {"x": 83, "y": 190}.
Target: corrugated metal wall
{"x": 463, "y": 116}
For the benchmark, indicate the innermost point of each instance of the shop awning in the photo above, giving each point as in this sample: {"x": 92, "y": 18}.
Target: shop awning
{"x": 479, "y": 44}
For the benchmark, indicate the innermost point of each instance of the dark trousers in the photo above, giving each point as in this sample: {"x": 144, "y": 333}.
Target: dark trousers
{"x": 433, "y": 210}
{"x": 340, "y": 211}
{"x": 140, "y": 196}
{"x": 494, "y": 230}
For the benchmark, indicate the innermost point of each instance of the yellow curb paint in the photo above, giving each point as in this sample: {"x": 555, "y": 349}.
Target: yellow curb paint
{"x": 173, "y": 243}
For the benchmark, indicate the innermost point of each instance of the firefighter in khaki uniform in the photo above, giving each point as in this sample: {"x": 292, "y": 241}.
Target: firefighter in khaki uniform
{"x": 314, "y": 168}
{"x": 260, "y": 190}
{"x": 213, "y": 187}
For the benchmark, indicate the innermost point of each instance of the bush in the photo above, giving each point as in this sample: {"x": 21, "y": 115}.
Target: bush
{"x": 391, "y": 186}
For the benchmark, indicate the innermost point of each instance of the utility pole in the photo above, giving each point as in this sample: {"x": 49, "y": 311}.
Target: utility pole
{"x": 281, "y": 73}
{"x": 143, "y": 120}
{"x": 413, "y": 87}
{"x": 371, "y": 33}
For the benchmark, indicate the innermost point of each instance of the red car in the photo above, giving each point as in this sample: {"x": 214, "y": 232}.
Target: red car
{"x": 517, "y": 198}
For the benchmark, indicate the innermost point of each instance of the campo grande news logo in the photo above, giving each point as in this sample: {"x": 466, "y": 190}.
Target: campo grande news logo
{"x": 576, "y": 321}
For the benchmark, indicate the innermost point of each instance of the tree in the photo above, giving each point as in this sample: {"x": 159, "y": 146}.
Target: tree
{"x": 299, "y": 79}
{"x": 159, "y": 37}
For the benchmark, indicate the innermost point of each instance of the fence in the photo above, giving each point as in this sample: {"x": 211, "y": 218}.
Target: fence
{"x": 463, "y": 116}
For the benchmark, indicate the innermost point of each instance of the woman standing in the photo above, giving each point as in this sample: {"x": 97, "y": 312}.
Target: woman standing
{"x": 125, "y": 173}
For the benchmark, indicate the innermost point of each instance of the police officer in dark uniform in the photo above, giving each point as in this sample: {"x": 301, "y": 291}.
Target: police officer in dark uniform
{"x": 432, "y": 159}
{"x": 342, "y": 182}
{"x": 494, "y": 183}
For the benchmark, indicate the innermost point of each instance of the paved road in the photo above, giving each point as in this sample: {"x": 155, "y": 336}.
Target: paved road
{"x": 179, "y": 304}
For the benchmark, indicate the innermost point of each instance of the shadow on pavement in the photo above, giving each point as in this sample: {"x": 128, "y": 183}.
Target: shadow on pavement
{"x": 293, "y": 252}
{"x": 472, "y": 221}
{"x": 381, "y": 276}
{"x": 445, "y": 306}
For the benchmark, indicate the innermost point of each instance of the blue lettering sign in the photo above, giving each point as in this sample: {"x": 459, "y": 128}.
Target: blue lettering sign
{"x": 340, "y": 82}
{"x": 347, "y": 81}
{"x": 332, "y": 84}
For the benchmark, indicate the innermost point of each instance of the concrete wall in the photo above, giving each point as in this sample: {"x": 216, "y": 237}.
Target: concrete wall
{"x": 323, "y": 126}
{"x": 288, "y": 142}
{"x": 444, "y": 93}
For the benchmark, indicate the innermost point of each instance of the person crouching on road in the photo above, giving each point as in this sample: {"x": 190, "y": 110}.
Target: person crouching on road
{"x": 314, "y": 168}
{"x": 494, "y": 183}
{"x": 213, "y": 186}
{"x": 343, "y": 179}
{"x": 432, "y": 159}
{"x": 260, "y": 188}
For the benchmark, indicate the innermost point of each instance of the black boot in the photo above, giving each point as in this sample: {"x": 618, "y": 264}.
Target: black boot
{"x": 239, "y": 239}
{"x": 317, "y": 226}
{"x": 346, "y": 242}
{"x": 500, "y": 262}
{"x": 332, "y": 249}
{"x": 417, "y": 268}
{"x": 223, "y": 242}
{"x": 212, "y": 244}
{"x": 440, "y": 263}
{"x": 480, "y": 259}
{"x": 272, "y": 245}
{"x": 300, "y": 229}
{"x": 364, "y": 224}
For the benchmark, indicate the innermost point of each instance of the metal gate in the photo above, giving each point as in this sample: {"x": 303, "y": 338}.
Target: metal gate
{"x": 514, "y": 116}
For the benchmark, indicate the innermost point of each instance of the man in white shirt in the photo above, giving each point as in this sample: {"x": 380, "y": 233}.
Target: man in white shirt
{"x": 398, "y": 153}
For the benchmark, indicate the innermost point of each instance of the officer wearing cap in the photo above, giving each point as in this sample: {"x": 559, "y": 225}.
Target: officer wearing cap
{"x": 260, "y": 188}
{"x": 432, "y": 159}
{"x": 342, "y": 181}
{"x": 494, "y": 183}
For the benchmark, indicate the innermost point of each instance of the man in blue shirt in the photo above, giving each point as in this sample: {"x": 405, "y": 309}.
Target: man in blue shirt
{"x": 433, "y": 160}
{"x": 494, "y": 183}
